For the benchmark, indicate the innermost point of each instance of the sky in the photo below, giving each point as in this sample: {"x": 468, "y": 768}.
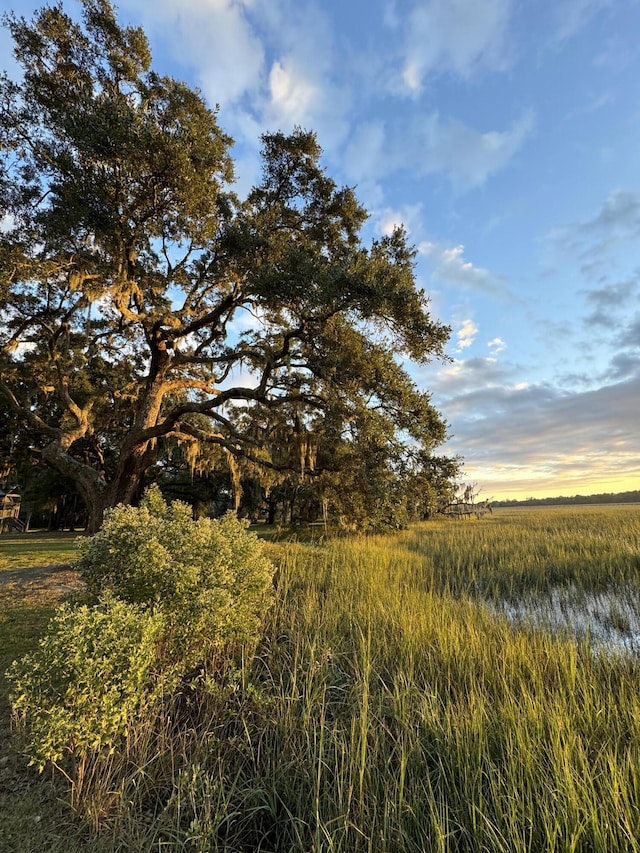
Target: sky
{"x": 505, "y": 136}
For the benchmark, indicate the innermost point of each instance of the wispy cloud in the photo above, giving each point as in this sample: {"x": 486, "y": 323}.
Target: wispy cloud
{"x": 216, "y": 38}
{"x": 570, "y": 16}
{"x": 457, "y": 36}
{"x": 466, "y": 335}
{"x": 451, "y": 267}
{"x": 497, "y": 346}
{"x": 468, "y": 156}
{"x": 593, "y": 105}
{"x": 430, "y": 144}
{"x": 617, "y": 220}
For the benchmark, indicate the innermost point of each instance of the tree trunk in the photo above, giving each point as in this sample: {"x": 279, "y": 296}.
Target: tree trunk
{"x": 271, "y": 504}
{"x": 98, "y": 496}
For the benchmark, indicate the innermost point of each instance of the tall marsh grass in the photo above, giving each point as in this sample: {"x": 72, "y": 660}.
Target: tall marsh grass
{"x": 392, "y": 708}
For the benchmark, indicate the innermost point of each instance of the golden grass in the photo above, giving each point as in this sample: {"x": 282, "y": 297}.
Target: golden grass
{"x": 390, "y": 708}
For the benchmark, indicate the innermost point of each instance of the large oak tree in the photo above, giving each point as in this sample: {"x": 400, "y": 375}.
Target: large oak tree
{"x": 126, "y": 260}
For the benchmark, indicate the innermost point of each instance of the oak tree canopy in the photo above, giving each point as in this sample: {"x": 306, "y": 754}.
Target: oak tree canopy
{"x": 138, "y": 292}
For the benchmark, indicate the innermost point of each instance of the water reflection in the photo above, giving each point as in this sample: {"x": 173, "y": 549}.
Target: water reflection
{"x": 609, "y": 619}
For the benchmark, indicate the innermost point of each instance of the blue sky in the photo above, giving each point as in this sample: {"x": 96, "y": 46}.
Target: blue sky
{"x": 506, "y": 137}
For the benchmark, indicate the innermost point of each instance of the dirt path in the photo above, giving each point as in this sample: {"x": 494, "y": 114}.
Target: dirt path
{"x": 59, "y": 577}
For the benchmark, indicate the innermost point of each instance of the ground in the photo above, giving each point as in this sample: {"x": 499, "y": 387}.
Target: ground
{"x": 33, "y": 816}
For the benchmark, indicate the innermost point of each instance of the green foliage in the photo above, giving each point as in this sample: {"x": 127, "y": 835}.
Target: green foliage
{"x": 172, "y": 598}
{"x": 94, "y": 673}
{"x": 126, "y": 257}
{"x": 209, "y": 578}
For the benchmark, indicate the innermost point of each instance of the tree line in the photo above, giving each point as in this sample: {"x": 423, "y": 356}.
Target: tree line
{"x": 602, "y": 498}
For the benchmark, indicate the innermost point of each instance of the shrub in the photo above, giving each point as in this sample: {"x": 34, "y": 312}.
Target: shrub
{"x": 169, "y": 598}
{"x": 209, "y": 578}
{"x": 93, "y": 674}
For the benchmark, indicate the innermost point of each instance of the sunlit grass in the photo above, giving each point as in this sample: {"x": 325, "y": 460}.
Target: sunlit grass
{"x": 431, "y": 723}
{"x": 520, "y": 551}
{"x": 392, "y": 708}
{"x": 29, "y": 550}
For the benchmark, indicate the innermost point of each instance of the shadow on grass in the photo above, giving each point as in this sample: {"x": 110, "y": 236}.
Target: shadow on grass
{"x": 33, "y": 814}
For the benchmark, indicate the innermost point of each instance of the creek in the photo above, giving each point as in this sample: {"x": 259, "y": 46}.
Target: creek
{"x": 609, "y": 620}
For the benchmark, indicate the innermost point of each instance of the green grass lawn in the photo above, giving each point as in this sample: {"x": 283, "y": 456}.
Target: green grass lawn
{"x": 27, "y": 550}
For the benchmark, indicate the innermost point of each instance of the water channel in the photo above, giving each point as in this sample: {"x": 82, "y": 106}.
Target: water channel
{"x": 609, "y": 620}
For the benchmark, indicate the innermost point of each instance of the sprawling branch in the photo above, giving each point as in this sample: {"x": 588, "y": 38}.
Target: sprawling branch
{"x": 130, "y": 259}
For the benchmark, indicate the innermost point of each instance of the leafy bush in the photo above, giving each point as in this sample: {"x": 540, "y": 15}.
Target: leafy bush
{"x": 170, "y": 597}
{"x": 209, "y": 578}
{"x": 94, "y": 673}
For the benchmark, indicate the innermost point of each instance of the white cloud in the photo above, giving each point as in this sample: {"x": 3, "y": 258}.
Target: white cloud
{"x": 307, "y": 85}
{"x": 572, "y": 15}
{"x": 467, "y": 155}
{"x": 303, "y": 96}
{"x": 450, "y": 267}
{"x": 466, "y": 335}
{"x": 407, "y": 217}
{"x": 7, "y": 223}
{"x": 497, "y": 345}
{"x": 215, "y": 37}
{"x": 460, "y": 36}
{"x": 292, "y": 96}
{"x": 270, "y": 65}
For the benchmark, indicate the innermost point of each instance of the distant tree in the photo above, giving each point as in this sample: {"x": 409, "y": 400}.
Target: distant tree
{"x": 125, "y": 258}
{"x": 463, "y": 502}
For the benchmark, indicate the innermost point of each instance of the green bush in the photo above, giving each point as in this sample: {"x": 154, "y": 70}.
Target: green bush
{"x": 209, "y": 578}
{"x": 93, "y": 674}
{"x": 170, "y": 599}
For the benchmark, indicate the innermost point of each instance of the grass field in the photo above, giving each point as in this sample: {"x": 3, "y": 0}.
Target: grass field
{"x": 33, "y": 813}
{"x": 398, "y": 704}
{"x": 27, "y": 550}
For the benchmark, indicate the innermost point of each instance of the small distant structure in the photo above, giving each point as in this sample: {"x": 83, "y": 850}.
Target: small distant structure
{"x": 10, "y": 511}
